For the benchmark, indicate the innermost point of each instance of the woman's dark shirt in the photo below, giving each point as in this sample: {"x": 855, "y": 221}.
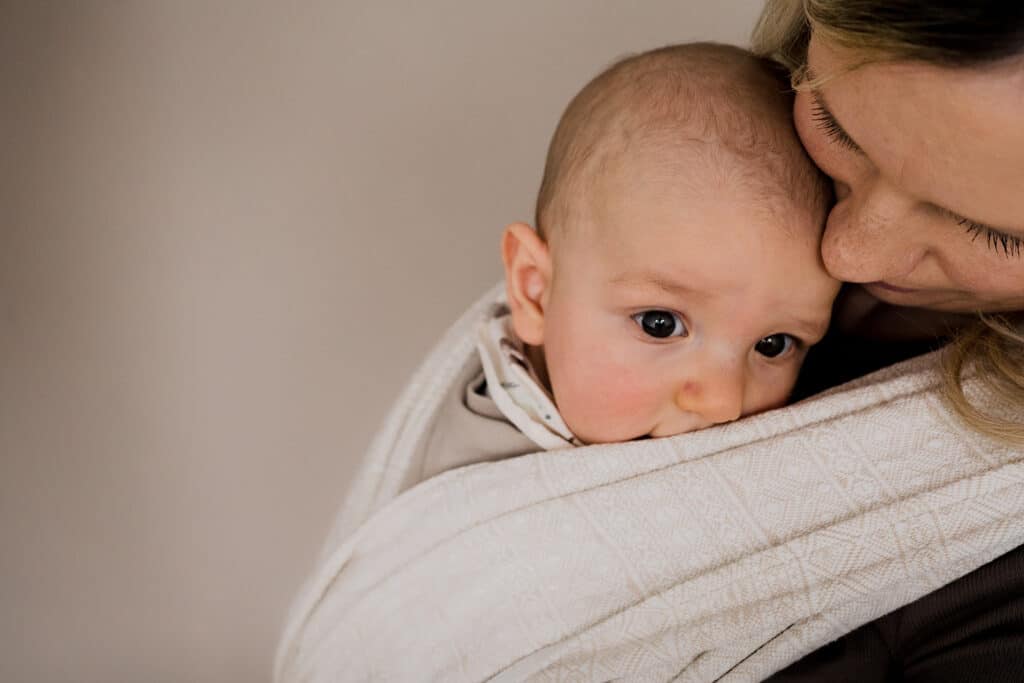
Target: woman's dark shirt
{"x": 838, "y": 358}
{"x": 969, "y": 630}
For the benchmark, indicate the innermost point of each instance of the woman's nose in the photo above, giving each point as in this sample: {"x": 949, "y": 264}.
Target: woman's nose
{"x": 716, "y": 395}
{"x": 868, "y": 237}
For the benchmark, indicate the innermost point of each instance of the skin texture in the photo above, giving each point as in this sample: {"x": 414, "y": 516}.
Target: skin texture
{"x": 935, "y": 151}
{"x": 700, "y": 245}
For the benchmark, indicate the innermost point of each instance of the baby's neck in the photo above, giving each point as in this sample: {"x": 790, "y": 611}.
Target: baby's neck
{"x": 535, "y": 354}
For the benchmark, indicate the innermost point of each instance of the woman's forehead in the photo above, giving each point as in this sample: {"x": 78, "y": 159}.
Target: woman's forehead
{"x": 949, "y": 136}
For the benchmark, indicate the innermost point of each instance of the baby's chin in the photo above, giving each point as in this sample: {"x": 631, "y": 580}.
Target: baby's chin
{"x": 661, "y": 434}
{"x": 657, "y": 433}
{"x": 684, "y": 425}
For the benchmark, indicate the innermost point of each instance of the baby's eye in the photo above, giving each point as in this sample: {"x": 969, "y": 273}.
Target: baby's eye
{"x": 774, "y": 345}
{"x": 661, "y": 324}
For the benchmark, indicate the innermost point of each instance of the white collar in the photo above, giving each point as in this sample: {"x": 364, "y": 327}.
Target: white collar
{"x": 515, "y": 388}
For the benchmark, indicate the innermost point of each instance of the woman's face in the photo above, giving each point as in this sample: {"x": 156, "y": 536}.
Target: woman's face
{"x": 928, "y": 164}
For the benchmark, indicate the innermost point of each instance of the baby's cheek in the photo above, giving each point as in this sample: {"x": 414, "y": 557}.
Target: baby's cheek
{"x": 771, "y": 393}
{"x": 603, "y": 398}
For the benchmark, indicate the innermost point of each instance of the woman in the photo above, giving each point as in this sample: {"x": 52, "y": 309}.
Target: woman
{"x": 731, "y": 553}
{"x": 915, "y": 110}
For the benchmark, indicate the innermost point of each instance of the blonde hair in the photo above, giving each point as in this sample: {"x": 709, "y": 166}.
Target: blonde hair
{"x": 962, "y": 33}
{"x": 994, "y": 347}
{"x": 968, "y": 34}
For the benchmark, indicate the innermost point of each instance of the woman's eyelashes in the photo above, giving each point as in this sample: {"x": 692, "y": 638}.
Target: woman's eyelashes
{"x": 827, "y": 123}
{"x": 998, "y": 242}
{"x": 660, "y": 324}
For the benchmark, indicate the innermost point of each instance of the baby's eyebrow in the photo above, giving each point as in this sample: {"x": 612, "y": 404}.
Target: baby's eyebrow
{"x": 811, "y": 327}
{"x": 815, "y": 329}
{"x": 651, "y": 279}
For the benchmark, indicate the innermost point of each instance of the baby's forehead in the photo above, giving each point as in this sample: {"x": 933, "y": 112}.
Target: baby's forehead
{"x": 678, "y": 167}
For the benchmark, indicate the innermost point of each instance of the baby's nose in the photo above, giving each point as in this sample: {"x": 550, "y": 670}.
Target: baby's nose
{"x": 716, "y": 397}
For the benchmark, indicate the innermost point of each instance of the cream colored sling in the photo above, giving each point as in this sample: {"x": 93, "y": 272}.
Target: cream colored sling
{"x": 720, "y": 555}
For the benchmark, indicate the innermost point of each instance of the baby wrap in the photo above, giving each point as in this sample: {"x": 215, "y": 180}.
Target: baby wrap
{"x": 719, "y": 555}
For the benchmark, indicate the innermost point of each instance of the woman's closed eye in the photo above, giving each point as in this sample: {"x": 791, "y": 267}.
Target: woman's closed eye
{"x": 997, "y": 241}
{"x": 660, "y": 324}
{"x": 827, "y": 123}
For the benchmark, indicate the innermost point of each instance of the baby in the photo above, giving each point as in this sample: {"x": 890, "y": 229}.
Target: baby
{"x": 674, "y": 279}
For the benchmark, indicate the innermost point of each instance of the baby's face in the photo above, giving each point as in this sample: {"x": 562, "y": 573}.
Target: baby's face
{"x": 683, "y": 303}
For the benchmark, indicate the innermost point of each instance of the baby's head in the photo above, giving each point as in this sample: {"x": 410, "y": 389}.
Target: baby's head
{"x": 674, "y": 280}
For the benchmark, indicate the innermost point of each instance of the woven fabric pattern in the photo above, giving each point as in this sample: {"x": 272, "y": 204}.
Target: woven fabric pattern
{"x": 723, "y": 554}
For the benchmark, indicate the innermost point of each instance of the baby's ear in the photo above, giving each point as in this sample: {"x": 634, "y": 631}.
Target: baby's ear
{"x": 527, "y": 278}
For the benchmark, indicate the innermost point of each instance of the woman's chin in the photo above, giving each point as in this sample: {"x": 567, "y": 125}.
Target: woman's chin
{"x": 933, "y": 299}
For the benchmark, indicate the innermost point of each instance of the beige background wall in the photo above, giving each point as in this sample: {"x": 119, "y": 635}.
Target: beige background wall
{"x": 228, "y": 231}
